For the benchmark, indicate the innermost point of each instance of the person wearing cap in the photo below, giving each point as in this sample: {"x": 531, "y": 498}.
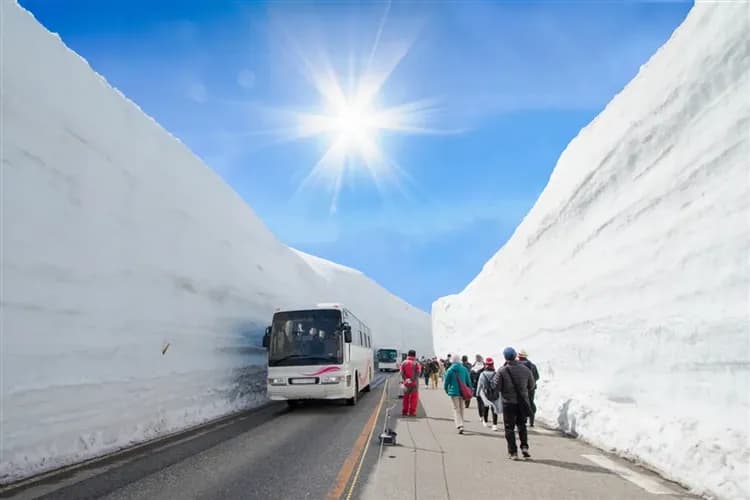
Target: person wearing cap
{"x": 514, "y": 382}
{"x": 523, "y": 358}
{"x": 485, "y": 403}
{"x": 410, "y": 372}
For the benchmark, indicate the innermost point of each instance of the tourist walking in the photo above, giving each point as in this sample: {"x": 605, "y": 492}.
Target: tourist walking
{"x": 488, "y": 395}
{"x": 514, "y": 381}
{"x": 456, "y": 375}
{"x": 523, "y": 358}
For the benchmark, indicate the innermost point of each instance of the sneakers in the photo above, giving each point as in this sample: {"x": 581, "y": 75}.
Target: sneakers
{"x": 461, "y": 429}
{"x": 525, "y": 453}
{"x": 494, "y": 428}
{"x": 513, "y": 456}
{"x": 484, "y": 424}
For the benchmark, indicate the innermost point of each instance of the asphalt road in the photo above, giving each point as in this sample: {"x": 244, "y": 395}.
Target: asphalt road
{"x": 269, "y": 453}
{"x": 326, "y": 450}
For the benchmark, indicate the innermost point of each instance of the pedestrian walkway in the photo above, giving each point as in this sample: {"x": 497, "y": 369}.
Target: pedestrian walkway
{"x": 432, "y": 461}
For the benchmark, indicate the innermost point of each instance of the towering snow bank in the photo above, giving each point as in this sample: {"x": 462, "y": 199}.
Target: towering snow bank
{"x": 116, "y": 243}
{"x": 397, "y": 323}
{"x": 629, "y": 280}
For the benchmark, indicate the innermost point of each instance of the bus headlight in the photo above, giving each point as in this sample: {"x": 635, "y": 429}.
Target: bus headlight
{"x": 277, "y": 381}
{"x": 331, "y": 380}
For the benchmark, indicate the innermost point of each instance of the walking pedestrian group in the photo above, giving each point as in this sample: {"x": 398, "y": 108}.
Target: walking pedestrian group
{"x": 507, "y": 392}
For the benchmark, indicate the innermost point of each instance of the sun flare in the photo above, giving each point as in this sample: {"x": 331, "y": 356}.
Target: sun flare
{"x": 354, "y": 116}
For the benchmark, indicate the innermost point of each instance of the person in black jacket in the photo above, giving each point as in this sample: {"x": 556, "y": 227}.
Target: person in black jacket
{"x": 426, "y": 372}
{"x": 523, "y": 358}
{"x": 514, "y": 381}
{"x": 467, "y": 365}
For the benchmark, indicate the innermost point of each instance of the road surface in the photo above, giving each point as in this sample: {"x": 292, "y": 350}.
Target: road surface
{"x": 270, "y": 453}
{"x": 329, "y": 450}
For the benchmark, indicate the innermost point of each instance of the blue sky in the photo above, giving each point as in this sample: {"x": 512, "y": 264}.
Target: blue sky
{"x": 508, "y": 85}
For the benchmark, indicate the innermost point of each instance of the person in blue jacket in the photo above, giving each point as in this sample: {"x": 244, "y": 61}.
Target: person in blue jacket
{"x": 457, "y": 372}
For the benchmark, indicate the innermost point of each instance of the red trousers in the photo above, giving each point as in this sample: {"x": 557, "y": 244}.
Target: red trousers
{"x": 410, "y": 403}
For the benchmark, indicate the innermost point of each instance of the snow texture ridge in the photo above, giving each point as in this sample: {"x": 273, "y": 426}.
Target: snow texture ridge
{"x": 135, "y": 283}
{"x": 629, "y": 280}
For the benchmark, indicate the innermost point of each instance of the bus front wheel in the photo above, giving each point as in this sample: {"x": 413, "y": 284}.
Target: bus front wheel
{"x": 353, "y": 400}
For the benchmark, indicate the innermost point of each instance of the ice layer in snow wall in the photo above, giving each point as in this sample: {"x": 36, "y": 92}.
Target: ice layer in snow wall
{"x": 135, "y": 283}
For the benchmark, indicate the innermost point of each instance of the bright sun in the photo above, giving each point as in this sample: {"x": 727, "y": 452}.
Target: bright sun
{"x": 354, "y": 120}
{"x": 355, "y": 126}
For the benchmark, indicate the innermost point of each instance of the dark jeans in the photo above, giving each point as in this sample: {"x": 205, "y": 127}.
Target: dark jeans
{"x": 486, "y": 413}
{"x": 512, "y": 418}
{"x": 480, "y": 407}
{"x": 533, "y": 407}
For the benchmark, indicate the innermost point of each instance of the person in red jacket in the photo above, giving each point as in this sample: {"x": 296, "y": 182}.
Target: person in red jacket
{"x": 410, "y": 372}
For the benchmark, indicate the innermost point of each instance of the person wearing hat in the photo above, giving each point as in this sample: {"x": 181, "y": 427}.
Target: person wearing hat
{"x": 488, "y": 399}
{"x": 514, "y": 382}
{"x": 523, "y": 358}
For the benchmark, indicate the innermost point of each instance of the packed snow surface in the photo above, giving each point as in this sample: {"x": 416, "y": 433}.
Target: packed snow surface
{"x": 135, "y": 284}
{"x": 629, "y": 280}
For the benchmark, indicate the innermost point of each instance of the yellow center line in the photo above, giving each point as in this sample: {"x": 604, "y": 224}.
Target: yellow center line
{"x": 360, "y": 446}
{"x": 369, "y": 440}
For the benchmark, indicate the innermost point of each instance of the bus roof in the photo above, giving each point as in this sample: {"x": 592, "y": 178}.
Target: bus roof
{"x": 325, "y": 305}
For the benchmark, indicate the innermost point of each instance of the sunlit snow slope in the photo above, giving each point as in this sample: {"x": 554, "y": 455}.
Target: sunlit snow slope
{"x": 116, "y": 243}
{"x": 629, "y": 280}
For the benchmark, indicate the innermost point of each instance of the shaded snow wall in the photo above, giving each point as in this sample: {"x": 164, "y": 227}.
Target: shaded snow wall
{"x": 116, "y": 241}
{"x": 629, "y": 280}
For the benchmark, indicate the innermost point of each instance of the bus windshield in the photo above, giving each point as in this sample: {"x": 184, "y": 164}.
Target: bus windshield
{"x": 387, "y": 355}
{"x": 306, "y": 338}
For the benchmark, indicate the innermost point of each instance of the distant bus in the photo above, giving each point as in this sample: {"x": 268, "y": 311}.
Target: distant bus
{"x": 321, "y": 352}
{"x": 388, "y": 359}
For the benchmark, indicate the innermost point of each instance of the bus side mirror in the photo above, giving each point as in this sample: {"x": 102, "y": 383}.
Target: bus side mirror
{"x": 267, "y": 337}
{"x": 347, "y": 329}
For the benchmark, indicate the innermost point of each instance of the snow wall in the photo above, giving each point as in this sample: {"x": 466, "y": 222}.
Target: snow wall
{"x": 629, "y": 280}
{"x": 118, "y": 242}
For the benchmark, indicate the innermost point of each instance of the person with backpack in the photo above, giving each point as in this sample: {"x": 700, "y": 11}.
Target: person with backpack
{"x": 487, "y": 395}
{"x": 514, "y": 382}
{"x": 456, "y": 376}
{"x": 523, "y": 358}
{"x": 410, "y": 371}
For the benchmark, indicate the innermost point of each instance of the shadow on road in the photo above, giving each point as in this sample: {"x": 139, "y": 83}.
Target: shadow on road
{"x": 570, "y": 465}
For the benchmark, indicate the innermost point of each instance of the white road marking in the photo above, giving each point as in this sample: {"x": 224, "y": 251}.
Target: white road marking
{"x": 647, "y": 483}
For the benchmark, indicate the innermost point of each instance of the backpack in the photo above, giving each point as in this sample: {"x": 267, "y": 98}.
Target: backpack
{"x": 490, "y": 389}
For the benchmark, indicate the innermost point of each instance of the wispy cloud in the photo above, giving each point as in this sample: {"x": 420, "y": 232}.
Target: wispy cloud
{"x": 197, "y": 92}
{"x": 417, "y": 221}
{"x": 246, "y": 79}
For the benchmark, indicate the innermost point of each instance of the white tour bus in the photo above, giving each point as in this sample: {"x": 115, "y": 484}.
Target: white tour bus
{"x": 321, "y": 352}
{"x": 388, "y": 359}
